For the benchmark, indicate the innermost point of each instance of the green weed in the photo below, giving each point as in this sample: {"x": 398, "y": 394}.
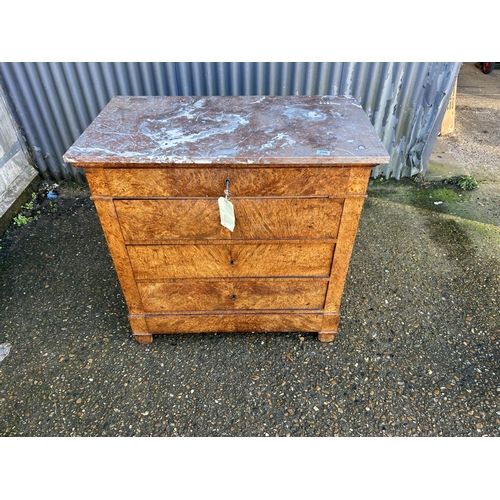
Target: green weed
{"x": 464, "y": 182}
{"x": 21, "y": 220}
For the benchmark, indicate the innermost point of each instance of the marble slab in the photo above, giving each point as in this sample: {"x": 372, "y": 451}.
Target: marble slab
{"x": 145, "y": 130}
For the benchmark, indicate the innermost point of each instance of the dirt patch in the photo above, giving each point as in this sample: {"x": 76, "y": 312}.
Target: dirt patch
{"x": 45, "y": 204}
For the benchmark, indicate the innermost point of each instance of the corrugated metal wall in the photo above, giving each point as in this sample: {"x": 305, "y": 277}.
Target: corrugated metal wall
{"x": 55, "y": 102}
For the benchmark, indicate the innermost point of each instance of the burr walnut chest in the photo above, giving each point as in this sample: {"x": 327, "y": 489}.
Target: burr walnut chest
{"x": 230, "y": 214}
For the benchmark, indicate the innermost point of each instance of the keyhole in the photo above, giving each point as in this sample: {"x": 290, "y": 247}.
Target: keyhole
{"x": 231, "y": 262}
{"x": 233, "y": 297}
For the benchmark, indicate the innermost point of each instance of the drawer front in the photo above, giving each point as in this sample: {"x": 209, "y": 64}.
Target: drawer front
{"x": 239, "y": 322}
{"x": 187, "y": 182}
{"x": 165, "y": 182}
{"x": 200, "y": 295}
{"x": 278, "y": 259}
{"x": 271, "y": 218}
{"x": 320, "y": 181}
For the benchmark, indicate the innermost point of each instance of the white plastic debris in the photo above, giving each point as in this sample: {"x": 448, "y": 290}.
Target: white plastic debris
{"x": 4, "y": 350}
{"x": 438, "y": 203}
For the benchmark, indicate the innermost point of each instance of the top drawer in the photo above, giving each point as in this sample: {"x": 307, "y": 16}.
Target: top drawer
{"x": 186, "y": 182}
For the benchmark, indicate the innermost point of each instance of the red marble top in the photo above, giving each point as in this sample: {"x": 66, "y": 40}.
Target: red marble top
{"x": 326, "y": 130}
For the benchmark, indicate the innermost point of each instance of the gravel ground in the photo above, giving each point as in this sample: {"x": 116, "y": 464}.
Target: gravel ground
{"x": 417, "y": 353}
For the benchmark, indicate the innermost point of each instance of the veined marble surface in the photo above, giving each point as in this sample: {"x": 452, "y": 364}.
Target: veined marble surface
{"x": 229, "y": 130}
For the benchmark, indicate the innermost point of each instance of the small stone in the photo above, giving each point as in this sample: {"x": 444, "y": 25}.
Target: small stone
{"x": 4, "y": 350}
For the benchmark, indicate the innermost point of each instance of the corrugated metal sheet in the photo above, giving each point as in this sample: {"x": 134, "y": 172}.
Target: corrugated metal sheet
{"x": 55, "y": 102}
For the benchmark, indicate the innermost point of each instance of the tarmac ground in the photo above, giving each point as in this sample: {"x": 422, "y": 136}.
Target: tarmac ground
{"x": 417, "y": 352}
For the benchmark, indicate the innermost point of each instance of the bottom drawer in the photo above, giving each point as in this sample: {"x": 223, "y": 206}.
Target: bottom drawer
{"x": 231, "y": 322}
{"x": 199, "y": 295}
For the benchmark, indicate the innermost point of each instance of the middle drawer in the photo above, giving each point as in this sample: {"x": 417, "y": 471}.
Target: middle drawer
{"x": 148, "y": 221}
{"x": 232, "y": 260}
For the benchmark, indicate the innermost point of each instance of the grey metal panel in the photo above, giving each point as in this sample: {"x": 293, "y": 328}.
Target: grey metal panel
{"x": 55, "y": 102}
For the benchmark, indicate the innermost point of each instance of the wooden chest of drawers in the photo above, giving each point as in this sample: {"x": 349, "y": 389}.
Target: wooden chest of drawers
{"x": 294, "y": 168}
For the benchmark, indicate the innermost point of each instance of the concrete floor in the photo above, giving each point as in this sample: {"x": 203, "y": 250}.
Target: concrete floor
{"x": 474, "y": 147}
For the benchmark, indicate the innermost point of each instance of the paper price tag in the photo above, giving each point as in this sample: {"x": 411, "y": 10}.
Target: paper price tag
{"x": 226, "y": 210}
